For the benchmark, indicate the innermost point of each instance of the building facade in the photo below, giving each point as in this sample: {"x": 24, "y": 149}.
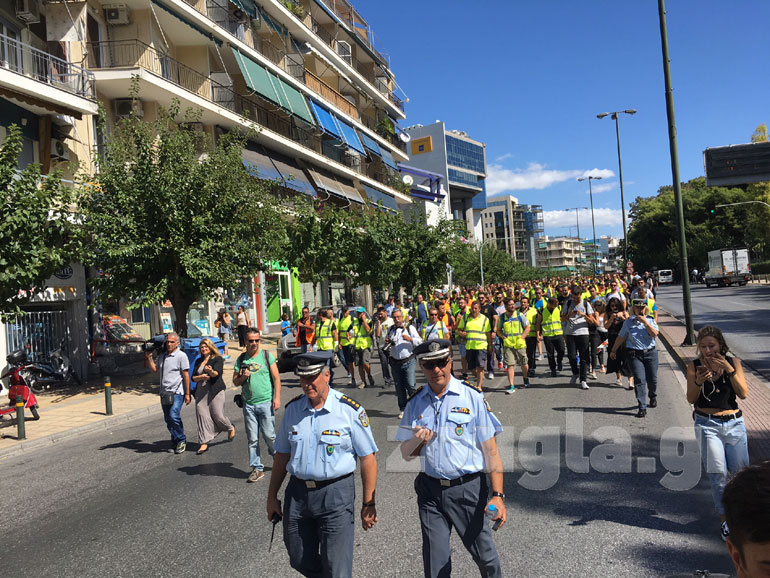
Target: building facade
{"x": 461, "y": 162}
{"x": 562, "y": 254}
{"x": 514, "y": 228}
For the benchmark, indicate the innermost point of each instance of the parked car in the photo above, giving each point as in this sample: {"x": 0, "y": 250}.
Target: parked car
{"x": 665, "y": 276}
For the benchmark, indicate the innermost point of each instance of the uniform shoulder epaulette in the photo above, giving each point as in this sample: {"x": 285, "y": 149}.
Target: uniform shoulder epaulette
{"x": 351, "y": 402}
{"x": 293, "y": 400}
{"x": 416, "y": 391}
{"x": 474, "y": 386}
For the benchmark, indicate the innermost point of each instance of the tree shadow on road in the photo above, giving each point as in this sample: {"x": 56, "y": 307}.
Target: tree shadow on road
{"x": 218, "y": 469}
{"x": 140, "y": 447}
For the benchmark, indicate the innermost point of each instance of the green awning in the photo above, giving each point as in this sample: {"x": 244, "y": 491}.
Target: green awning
{"x": 247, "y": 6}
{"x": 181, "y": 18}
{"x": 272, "y": 88}
{"x": 271, "y": 23}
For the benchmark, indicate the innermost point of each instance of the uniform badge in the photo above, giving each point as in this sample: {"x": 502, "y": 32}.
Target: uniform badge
{"x": 486, "y": 404}
{"x": 304, "y": 362}
{"x": 459, "y": 430}
{"x": 364, "y": 419}
{"x": 330, "y": 449}
{"x": 464, "y": 410}
{"x": 434, "y": 346}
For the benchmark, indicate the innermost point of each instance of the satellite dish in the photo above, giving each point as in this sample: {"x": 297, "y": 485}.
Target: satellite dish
{"x": 407, "y": 180}
{"x": 405, "y": 137}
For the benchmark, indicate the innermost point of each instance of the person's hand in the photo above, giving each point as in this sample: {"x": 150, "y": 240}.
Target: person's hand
{"x": 187, "y": 398}
{"x": 502, "y": 514}
{"x": 407, "y": 337}
{"x": 717, "y": 362}
{"x": 276, "y": 403}
{"x": 423, "y": 434}
{"x": 702, "y": 374}
{"x": 208, "y": 369}
{"x": 539, "y": 338}
{"x": 245, "y": 372}
{"x": 273, "y": 508}
{"x": 613, "y": 355}
{"x": 368, "y": 517}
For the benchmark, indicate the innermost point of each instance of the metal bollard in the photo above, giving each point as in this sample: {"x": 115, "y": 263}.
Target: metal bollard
{"x": 21, "y": 433}
{"x": 108, "y": 394}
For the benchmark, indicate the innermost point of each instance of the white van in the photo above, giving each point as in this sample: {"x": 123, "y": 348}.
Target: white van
{"x": 665, "y": 276}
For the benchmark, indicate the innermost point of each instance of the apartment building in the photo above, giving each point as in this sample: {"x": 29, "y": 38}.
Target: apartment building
{"x": 514, "y": 228}
{"x": 454, "y": 159}
{"x": 562, "y": 254}
{"x": 609, "y": 253}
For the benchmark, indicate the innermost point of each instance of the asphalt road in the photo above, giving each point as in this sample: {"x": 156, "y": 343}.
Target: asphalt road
{"x": 742, "y": 313}
{"x": 116, "y": 503}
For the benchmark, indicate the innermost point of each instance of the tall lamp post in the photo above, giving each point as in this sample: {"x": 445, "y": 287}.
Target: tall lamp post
{"x": 614, "y": 116}
{"x": 577, "y": 222}
{"x": 590, "y": 178}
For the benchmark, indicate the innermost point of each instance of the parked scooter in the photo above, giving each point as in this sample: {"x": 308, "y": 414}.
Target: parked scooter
{"x": 57, "y": 370}
{"x": 18, "y": 373}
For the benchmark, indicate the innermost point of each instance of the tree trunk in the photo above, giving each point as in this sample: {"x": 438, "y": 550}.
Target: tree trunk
{"x": 181, "y": 304}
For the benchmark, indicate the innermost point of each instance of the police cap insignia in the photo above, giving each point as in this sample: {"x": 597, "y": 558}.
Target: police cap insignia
{"x": 475, "y": 386}
{"x": 350, "y": 401}
{"x": 363, "y": 418}
{"x": 434, "y": 346}
{"x": 303, "y": 362}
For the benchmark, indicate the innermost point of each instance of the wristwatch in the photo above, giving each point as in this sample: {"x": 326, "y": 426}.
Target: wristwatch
{"x": 498, "y": 495}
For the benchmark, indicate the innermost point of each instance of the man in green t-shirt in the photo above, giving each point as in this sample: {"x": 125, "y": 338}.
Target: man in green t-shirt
{"x": 257, "y": 373}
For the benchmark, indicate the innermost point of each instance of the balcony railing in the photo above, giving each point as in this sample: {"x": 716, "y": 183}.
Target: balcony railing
{"x": 43, "y": 67}
{"x": 347, "y": 13}
{"x": 133, "y": 53}
{"x": 320, "y": 87}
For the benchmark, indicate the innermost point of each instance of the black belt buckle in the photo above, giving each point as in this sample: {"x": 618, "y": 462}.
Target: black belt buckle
{"x": 722, "y": 418}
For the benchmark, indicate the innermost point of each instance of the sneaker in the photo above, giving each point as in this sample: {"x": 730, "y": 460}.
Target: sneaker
{"x": 592, "y": 375}
{"x": 539, "y": 356}
{"x": 371, "y": 381}
{"x": 526, "y": 382}
{"x": 653, "y": 402}
{"x": 531, "y": 373}
{"x": 180, "y": 448}
{"x": 363, "y": 385}
{"x": 573, "y": 380}
{"x": 553, "y": 373}
{"x": 388, "y": 381}
{"x": 491, "y": 375}
{"x": 583, "y": 385}
{"x": 255, "y": 476}
{"x": 560, "y": 368}
{"x": 724, "y": 530}
{"x": 353, "y": 383}
{"x": 400, "y": 414}
{"x": 500, "y": 365}
{"x": 630, "y": 386}
{"x": 618, "y": 381}
{"x": 641, "y": 413}
{"x": 510, "y": 390}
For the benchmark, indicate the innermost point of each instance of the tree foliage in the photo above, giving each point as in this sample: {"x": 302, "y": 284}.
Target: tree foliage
{"x": 167, "y": 222}
{"x": 38, "y": 231}
{"x": 499, "y": 266}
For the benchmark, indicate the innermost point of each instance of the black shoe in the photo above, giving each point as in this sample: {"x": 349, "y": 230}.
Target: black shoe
{"x": 531, "y": 373}
{"x": 653, "y": 402}
{"x": 560, "y": 369}
{"x": 553, "y": 373}
{"x": 641, "y": 413}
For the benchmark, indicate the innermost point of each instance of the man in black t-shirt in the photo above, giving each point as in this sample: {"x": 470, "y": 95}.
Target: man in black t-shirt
{"x": 488, "y": 309}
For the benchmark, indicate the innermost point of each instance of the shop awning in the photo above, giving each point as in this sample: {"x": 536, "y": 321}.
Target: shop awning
{"x": 387, "y": 158}
{"x": 259, "y": 165}
{"x": 350, "y": 137}
{"x": 370, "y": 143}
{"x": 375, "y": 197}
{"x": 247, "y": 6}
{"x": 181, "y": 18}
{"x": 334, "y": 187}
{"x": 326, "y": 120}
{"x": 295, "y": 178}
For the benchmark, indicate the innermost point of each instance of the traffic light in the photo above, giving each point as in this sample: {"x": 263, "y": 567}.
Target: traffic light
{"x": 712, "y": 208}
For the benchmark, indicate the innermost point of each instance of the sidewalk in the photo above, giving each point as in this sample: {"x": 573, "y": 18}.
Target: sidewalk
{"x": 756, "y": 407}
{"x": 77, "y": 410}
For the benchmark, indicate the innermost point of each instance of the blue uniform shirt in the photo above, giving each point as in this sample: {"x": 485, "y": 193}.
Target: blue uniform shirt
{"x": 323, "y": 443}
{"x": 461, "y": 421}
{"x": 636, "y": 334}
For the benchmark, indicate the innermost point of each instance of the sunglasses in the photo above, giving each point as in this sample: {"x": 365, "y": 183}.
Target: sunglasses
{"x": 253, "y": 340}
{"x": 431, "y": 364}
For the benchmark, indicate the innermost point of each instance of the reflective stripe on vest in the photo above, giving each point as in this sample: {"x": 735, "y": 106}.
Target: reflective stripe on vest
{"x": 477, "y": 337}
{"x": 551, "y": 325}
{"x": 325, "y": 339}
{"x": 343, "y": 327}
{"x": 439, "y": 329}
{"x": 513, "y": 329}
{"x": 363, "y": 339}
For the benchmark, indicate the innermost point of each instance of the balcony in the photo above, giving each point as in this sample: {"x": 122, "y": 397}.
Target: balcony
{"x": 131, "y": 54}
{"x": 320, "y": 87}
{"x": 40, "y": 78}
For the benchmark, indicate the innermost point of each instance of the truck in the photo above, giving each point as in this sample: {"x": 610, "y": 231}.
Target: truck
{"x": 728, "y": 266}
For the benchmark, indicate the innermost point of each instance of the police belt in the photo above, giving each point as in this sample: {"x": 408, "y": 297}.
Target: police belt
{"x": 455, "y": 482}
{"x": 317, "y": 484}
{"x": 726, "y": 417}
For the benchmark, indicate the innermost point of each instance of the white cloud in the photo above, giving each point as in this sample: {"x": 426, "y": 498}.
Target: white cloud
{"x": 603, "y": 217}
{"x": 535, "y": 176}
{"x": 504, "y": 157}
{"x": 603, "y": 188}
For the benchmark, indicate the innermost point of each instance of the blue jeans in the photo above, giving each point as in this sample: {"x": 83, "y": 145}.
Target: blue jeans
{"x": 724, "y": 450}
{"x": 258, "y": 418}
{"x": 173, "y": 416}
{"x": 405, "y": 380}
{"x": 644, "y": 366}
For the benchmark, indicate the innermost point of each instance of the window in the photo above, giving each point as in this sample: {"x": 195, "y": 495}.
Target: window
{"x": 465, "y": 155}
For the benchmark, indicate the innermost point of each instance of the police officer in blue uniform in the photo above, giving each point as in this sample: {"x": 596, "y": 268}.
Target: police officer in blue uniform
{"x": 322, "y": 435}
{"x": 451, "y": 427}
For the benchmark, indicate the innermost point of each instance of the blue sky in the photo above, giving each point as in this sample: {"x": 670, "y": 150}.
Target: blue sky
{"x": 529, "y": 78}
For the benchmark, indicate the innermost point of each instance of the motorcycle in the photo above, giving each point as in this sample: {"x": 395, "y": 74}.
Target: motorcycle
{"x": 18, "y": 373}
{"x": 57, "y": 370}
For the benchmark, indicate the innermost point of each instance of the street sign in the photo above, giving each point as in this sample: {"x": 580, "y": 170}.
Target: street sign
{"x": 629, "y": 270}
{"x": 630, "y": 264}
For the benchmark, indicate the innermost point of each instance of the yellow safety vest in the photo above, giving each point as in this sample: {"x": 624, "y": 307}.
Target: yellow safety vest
{"x": 531, "y": 317}
{"x": 441, "y": 331}
{"x": 363, "y": 338}
{"x": 477, "y": 330}
{"x": 343, "y": 327}
{"x": 325, "y": 340}
{"x": 513, "y": 329}
{"x": 551, "y": 325}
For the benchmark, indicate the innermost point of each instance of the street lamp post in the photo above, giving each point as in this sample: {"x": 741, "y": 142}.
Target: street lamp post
{"x": 577, "y": 222}
{"x": 614, "y": 116}
{"x": 590, "y": 178}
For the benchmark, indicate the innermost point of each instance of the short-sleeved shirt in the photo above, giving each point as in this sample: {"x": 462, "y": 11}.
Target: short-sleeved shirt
{"x": 636, "y": 334}
{"x": 171, "y": 366}
{"x": 461, "y": 420}
{"x": 577, "y": 325}
{"x": 323, "y": 443}
{"x": 259, "y": 387}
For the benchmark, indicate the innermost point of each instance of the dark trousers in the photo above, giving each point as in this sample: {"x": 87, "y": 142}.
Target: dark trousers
{"x": 242, "y": 335}
{"x": 319, "y": 528}
{"x": 384, "y": 364}
{"x": 462, "y": 508}
{"x": 577, "y": 345}
{"x": 531, "y": 352}
{"x": 594, "y": 341}
{"x": 644, "y": 365}
{"x": 404, "y": 379}
{"x": 554, "y": 346}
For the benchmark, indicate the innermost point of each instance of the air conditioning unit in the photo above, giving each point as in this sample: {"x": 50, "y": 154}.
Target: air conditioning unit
{"x": 59, "y": 150}
{"x": 28, "y": 11}
{"x": 117, "y": 14}
{"x": 125, "y": 106}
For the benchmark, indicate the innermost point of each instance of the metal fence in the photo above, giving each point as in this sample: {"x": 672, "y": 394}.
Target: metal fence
{"x": 38, "y": 333}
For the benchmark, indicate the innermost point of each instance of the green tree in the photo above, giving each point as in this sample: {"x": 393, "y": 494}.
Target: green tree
{"x": 168, "y": 222}
{"x": 760, "y": 133}
{"x": 38, "y": 233}
{"x": 425, "y": 251}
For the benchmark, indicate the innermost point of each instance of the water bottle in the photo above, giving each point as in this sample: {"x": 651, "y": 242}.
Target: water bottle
{"x": 491, "y": 513}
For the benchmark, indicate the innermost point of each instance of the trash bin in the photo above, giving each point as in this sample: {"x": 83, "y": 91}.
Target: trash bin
{"x": 192, "y": 345}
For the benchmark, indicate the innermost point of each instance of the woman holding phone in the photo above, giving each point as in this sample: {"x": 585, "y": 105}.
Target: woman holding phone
{"x": 210, "y": 395}
{"x": 714, "y": 380}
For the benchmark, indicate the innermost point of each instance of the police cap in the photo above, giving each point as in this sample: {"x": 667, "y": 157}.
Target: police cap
{"x": 311, "y": 363}
{"x": 435, "y": 349}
